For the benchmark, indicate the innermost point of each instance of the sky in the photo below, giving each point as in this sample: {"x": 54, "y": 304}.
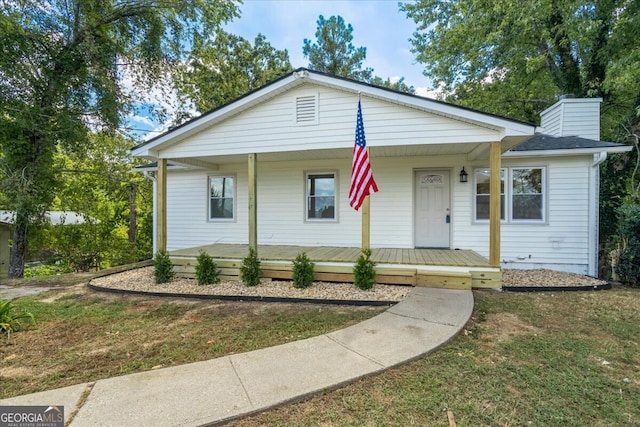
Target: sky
{"x": 377, "y": 25}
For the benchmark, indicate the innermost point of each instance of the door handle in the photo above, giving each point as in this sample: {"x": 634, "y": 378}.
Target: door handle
{"x": 448, "y": 219}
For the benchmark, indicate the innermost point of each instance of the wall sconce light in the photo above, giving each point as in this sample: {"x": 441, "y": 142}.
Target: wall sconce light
{"x": 464, "y": 176}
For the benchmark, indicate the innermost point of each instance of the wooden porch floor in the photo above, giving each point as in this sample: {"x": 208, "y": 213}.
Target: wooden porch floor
{"x": 459, "y": 269}
{"x": 434, "y": 257}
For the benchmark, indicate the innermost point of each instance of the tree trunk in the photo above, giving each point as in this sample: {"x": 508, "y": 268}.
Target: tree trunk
{"x": 18, "y": 246}
{"x": 133, "y": 213}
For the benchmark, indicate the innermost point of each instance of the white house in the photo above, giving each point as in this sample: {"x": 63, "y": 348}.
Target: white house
{"x": 273, "y": 168}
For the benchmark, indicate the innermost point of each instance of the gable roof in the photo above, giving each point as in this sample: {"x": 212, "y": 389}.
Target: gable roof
{"x": 511, "y": 129}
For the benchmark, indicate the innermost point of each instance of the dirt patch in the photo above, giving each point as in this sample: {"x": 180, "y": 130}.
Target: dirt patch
{"x": 500, "y": 327}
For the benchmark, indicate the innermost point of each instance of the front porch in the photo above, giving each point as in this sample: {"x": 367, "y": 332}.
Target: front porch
{"x": 438, "y": 268}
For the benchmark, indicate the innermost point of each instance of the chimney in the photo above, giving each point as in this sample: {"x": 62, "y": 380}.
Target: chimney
{"x": 573, "y": 117}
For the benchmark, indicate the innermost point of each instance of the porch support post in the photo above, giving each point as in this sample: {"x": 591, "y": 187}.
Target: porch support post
{"x": 366, "y": 223}
{"x": 253, "y": 206}
{"x": 494, "y": 205}
{"x": 161, "y": 196}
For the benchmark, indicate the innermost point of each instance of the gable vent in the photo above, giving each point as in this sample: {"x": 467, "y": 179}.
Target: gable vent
{"x": 307, "y": 110}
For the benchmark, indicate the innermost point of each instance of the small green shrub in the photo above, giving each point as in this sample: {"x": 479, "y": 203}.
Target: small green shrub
{"x": 11, "y": 315}
{"x": 364, "y": 272}
{"x": 628, "y": 267}
{"x": 207, "y": 272}
{"x": 163, "y": 268}
{"x": 302, "y": 271}
{"x": 250, "y": 271}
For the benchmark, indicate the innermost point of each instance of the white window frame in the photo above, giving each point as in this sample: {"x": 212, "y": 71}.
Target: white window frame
{"x": 509, "y": 194}
{"x": 307, "y": 176}
{"x": 235, "y": 198}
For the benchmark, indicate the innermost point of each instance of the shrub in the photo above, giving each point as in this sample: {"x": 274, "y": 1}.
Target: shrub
{"x": 163, "y": 267}
{"x": 364, "y": 272}
{"x": 628, "y": 231}
{"x": 10, "y": 317}
{"x": 302, "y": 271}
{"x": 206, "y": 269}
{"x": 250, "y": 271}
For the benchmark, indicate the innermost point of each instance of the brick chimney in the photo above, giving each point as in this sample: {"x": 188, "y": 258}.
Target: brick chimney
{"x": 573, "y": 117}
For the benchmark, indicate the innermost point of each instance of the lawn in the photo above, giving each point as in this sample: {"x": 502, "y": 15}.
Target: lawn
{"x": 539, "y": 359}
{"x": 543, "y": 359}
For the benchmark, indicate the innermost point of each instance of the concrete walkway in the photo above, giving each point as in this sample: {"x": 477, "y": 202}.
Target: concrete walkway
{"x": 218, "y": 390}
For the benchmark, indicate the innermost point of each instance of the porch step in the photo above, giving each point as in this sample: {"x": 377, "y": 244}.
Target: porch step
{"x": 444, "y": 279}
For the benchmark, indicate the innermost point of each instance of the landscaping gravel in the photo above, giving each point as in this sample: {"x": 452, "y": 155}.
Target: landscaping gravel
{"x": 142, "y": 279}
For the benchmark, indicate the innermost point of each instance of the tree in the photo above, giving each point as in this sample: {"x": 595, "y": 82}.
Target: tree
{"x": 225, "y": 67}
{"x": 62, "y": 69}
{"x": 502, "y": 55}
{"x": 333, "y": 52}
{"x": 514, "y": 59}
{"x": 397, "y": 85}
{"x": 101, "y": 185}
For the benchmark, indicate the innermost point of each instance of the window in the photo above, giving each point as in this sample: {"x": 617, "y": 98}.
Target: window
{"x": 527, "y": 194}
{"x": 522, "y": 198}
{"x": 222, "y": 197}
{"x": 321, "y": 196}
{"x": 482, "y": 182}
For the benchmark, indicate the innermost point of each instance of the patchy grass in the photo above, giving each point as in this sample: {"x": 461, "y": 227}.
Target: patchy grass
{"x": 544, "y": 359}
{"x": 84, "y": 336}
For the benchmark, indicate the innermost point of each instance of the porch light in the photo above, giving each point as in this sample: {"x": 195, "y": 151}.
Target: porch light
{"x": 464, "y": 176}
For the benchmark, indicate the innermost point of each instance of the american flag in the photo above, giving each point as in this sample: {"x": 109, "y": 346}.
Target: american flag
{"x": 362, "y": 182}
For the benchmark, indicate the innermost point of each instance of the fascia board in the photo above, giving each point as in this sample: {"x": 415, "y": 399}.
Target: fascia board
{"x": 570, "y": 152}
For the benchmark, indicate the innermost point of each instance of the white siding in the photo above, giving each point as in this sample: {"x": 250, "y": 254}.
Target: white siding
{"x": 563, "y": 240}
{"x": 271, "y": 127}
{"x": 573, "y": 117}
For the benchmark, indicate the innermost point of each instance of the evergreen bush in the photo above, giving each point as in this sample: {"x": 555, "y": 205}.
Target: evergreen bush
{"x": 207, "y": 272}
{"x": 163, "y": 268}
{"x": 250, "y": 271}
{"x": 364, "y": 272}
{"x": 302, "y": 271}
{"x": 628, "y": 230}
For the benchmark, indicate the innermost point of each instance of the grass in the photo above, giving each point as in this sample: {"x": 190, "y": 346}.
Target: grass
{"x": 84, "y": 336}
{"x": 546, "y": 359}
{"x": 541, "y": 359}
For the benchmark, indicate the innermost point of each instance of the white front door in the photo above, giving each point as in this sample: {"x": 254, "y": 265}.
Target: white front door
{"x": 432, "y": 209}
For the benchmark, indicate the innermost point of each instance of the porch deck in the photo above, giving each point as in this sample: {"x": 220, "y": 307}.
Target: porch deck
{"x": 456, "y": 269}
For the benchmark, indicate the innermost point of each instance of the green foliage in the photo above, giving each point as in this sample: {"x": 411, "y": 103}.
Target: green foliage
{"x": 628, "y": 267}
{"x": 302, "y": 271}
{"x": 163, "y": 268}
{"x": 62, "y": 79}
{"x": 333, "y": 52}
{"x": 504, "y": 56}
{"x": 11, "y": 315}
{"x": 250, "y": 271}
{"x": 364, "y": 272}
{"x": 226, "y": 67}
{"x": 207, "y": 272}
{"x": 47, "y": 270}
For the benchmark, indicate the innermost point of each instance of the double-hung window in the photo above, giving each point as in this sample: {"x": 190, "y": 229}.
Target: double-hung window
{"x": 321, "y": 196}
{"x": 222, "y": 196}
{"x": 522, "y": 194}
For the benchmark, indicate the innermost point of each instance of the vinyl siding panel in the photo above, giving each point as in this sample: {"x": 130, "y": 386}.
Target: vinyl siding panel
{"x": 562, "y": 240}
{"x": 271, "y": 127}
{"x": 573, "y": 117}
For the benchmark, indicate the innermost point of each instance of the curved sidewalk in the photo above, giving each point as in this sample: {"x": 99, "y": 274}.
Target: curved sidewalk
{"x": 221, "y": 389}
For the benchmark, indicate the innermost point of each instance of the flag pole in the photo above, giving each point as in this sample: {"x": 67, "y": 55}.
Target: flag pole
{"x": 366, "y": 223}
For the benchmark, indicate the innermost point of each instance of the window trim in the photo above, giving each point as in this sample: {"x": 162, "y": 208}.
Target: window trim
{"x": 235, "y": 197}
{"x": 307, "y": 174}
{"x": 508, "y": 196}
